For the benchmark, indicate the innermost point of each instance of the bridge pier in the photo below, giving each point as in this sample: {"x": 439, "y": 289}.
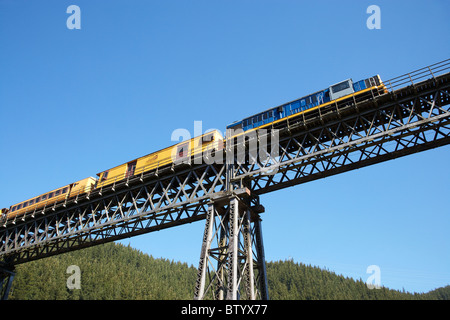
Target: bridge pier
{"x": 6, "y": 278}
{"x": 232, "y": 262}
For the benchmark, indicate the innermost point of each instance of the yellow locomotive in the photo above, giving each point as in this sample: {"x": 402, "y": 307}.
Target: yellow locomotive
{"x": 181, "y": 152}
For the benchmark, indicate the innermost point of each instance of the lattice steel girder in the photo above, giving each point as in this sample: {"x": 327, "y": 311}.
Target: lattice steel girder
{"x": 406, "y": 121}
{"x": 232, "y": 261}
{"x": 138, "y": 206}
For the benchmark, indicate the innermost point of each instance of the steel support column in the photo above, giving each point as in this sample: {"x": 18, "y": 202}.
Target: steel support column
{"x": 262, "y": 280}
{"x": 6, "y": 279}
{"x": 233, "y": 247}
{"x": 232, "y": 264}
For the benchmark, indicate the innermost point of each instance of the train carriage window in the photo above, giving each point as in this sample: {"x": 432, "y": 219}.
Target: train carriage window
{"x": 19, "y": 206}
{"x": 57, "y": 192}
{"x": 14, "y": 208}
{"x": 319, "y": 97}
{"x": 308, "y": 100}
{"x": 130, "y": 169}
{"x": 105, "y": 176}
{"x": 37, "y": 200}
{"x": 25, "y": 204}
{"x": 314, "y": 99}
{"x": 50, "y": 195}
{"x": 43, "y": 197}
{"x": 182, "y": 150}
{"x": 30, "y": 202}
{"x": 64, "y": 190}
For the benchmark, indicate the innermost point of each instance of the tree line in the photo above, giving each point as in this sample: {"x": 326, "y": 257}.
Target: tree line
{"x": 116, "y": 272}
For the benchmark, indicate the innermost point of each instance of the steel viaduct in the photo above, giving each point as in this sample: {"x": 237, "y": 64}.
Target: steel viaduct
{"x": 413, "y": 116}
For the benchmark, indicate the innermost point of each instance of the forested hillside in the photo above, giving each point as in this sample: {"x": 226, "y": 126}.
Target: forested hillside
{"x": 114, "y": 271}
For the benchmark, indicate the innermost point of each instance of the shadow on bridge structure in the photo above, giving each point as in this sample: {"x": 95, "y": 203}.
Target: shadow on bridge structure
{"x": 413, "y": 115}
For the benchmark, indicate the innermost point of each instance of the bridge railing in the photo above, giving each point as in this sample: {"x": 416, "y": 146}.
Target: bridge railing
{"x": 419, "y": 75}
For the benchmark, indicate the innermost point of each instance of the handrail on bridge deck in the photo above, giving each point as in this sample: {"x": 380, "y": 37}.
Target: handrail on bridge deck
{"x": 418, "y": 75}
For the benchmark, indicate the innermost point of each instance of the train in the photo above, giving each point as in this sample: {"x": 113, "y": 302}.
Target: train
{"x": 338, "y": 92}
{"x": 178, "y": 153}
{"x": 188, "y": 150}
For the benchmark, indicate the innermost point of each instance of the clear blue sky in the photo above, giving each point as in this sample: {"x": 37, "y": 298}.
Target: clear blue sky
{"x": 76, "y": 102}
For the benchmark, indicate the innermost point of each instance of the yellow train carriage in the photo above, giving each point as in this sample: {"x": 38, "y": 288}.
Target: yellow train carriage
{"x": 180, "y": 152}
{"x": 82, "y": 186}
{"x": 49, "y": 198}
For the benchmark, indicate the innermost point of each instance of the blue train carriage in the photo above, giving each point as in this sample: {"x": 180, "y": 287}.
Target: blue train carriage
{"x": 339, "y": 91}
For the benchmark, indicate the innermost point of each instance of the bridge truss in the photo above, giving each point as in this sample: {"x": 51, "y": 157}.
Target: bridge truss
{"x": 413, "y": 116}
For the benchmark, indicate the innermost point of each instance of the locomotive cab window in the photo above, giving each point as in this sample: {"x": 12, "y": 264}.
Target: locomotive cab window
{"x": 341, "y": 89}
{"x": 340, "y": 86}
